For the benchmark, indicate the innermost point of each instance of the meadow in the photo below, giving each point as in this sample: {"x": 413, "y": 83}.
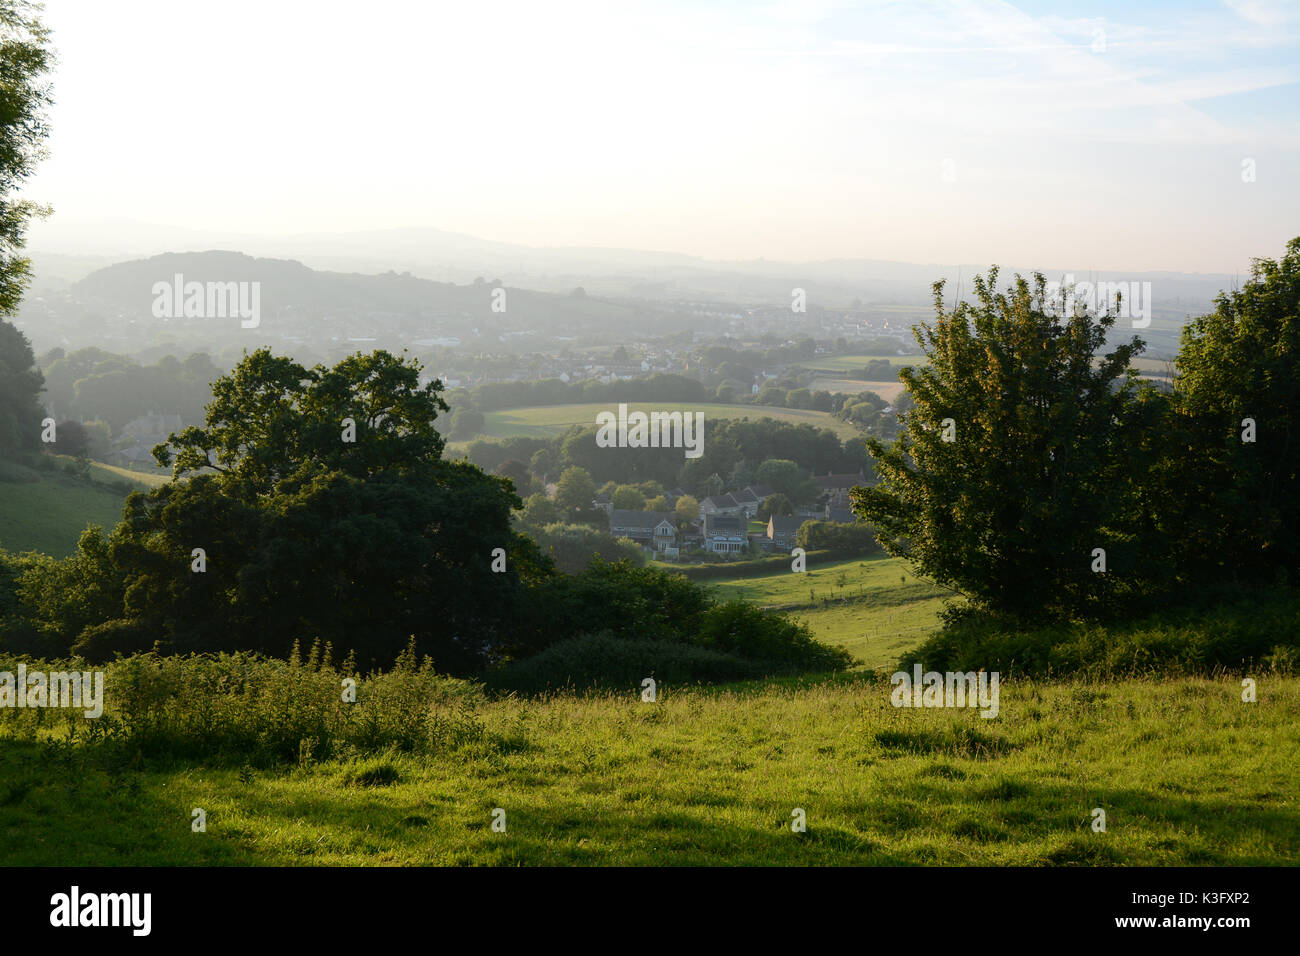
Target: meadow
{"x": 545, "y": 420}
{"x": 1185, "y": 772}
{"x": 852, "y": 386}
{"x": 47, "y": 510}
{"x": 875, "y": 607}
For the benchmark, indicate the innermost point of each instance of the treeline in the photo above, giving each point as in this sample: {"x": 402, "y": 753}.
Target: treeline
{"x": 734, "y": 449}
{"x": 94, "y": 385}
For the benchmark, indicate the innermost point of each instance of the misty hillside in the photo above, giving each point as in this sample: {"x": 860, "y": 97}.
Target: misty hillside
{"x": 286, "y": 283}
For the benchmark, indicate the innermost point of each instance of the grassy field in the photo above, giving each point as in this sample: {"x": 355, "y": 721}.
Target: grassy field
{"x": 877, "y": 608}
{"x": 1186, "y": 774}
{"x": 851, "y": 386}
{"x": 845, "y": 363}
{"x": 551, "y": 419}
{"x": 49, "y": 511}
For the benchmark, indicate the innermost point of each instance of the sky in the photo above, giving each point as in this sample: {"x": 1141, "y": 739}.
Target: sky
{"x": 1116, "y": 135}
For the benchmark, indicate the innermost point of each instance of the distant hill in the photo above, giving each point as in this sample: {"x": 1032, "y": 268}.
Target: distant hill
{"x": 288, "y": 284}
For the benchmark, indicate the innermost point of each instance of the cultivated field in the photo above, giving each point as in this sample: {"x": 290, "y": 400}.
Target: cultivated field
{"x": 852, "y": 386}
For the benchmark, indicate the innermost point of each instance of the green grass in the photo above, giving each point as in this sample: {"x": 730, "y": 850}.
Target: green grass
{"x": 49, "y": 512}
{"x": 880, "y": 610}
{"x": 545, "y": 420}
{"x": 1186, "y": 773}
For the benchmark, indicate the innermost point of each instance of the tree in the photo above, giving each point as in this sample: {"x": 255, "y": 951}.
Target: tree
{"x": 575, "y": 490}
{"x": 1014, "y": 465}
{"x": 627, "y": 498}
{"x": 544, "y": 464}
{"x": 517, "y": 472}
{"x": 25, "y": 58}
{"x": 71, "y": 438}
{"x": 783, "y": 475}
{"x": 272, "y": 420}
{"x": 466, "y": 423}
{"x": 303, "y": 533}
{"x": 20, "y": 389}
{"x": 1231, "y": 506}
{"x": 777, "y": 504}
{"x": 539, "y": 511}
{"x": 688, "y": 510}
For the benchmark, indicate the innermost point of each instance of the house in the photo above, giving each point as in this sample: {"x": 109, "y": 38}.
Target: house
{"x": 840, "y": 515}
{"x": 781, "y": 530}
{"x": 835, "y": 488}
{"x": 654, "y": 529}
{"x": 748, "y": 502}
{"x": 151, "y": 429}
{"x": 719, "y": 505}
{"x": 725, "y": 533}
{"x": 603, "y": 502}
{"x": 833, "y": 484}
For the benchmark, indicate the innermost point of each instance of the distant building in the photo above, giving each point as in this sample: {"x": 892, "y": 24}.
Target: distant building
{"x": 655, "y": 529}
{"x": 725, "y": 533}
{"x": 782, "y": 529}
{"x": 719, "y": 505}
{"x": 840, "y": 515}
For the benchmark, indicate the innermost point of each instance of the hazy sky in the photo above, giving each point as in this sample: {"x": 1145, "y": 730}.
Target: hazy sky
{"x": 1104, "y": 134}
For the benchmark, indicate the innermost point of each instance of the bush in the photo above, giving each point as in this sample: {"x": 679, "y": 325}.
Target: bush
{"x": 745, "y": 630}
{"x": 249, "y": 709}
{"x": 743, "y": 569}
{"x": 604, "y": 661}
{"x": 1245, "y": 632}
{"x": 845, "y": 537}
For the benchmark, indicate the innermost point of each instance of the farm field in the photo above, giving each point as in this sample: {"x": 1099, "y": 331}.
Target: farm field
{"x": 852, "y": 386}
{"x": 551, "y": 419}
{"x": 844, "y": 363}
{"x": 1186, "y": 773}
{"x": 876, "y": 607}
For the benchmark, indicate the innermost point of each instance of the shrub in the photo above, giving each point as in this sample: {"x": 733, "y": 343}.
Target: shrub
{"x": 1248, "y": 630}
{"x": 255, "y": 710}
{"x": 751, "y": 633}
{"x": 606, "y": 661}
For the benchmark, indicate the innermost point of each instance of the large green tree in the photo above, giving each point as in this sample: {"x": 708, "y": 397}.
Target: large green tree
{"x": 25, "y": 59}
{"x": 1017, "y": 459}
{"x": 1230, "y": 483}
{"x": 323, "y": 510}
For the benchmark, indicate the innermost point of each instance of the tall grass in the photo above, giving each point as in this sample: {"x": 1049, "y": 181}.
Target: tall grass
{"x": 261, "y": 711}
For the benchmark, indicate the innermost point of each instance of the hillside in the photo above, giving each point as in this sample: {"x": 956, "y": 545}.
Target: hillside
{"x": 877, "y": 608}
{"x": 48, "y": 510}
{"x": 1184, "y": 772}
